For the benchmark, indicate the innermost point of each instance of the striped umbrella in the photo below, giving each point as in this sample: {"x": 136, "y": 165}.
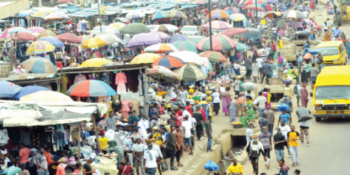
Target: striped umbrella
{"x": 165, "y": 28}
{"x": 238, "y": 17}
{"x": 46, "y": 33}
{"x": 8, "y": 32}
{"x": 188, "y": 57}
{"x": 82, "y": 38}
{"x": 95, "y": 62}
{"x": 68, "y": 37}
{"x": 90, "y": 88}
{"x": 190, "y": 72}
{"x": 108, "y": 38}
{"x": 39, "y": 65}
{"x": 231, "y": 10}
{"x": 117, "y": 25}
{"x": 186, "y": 45}
{"x": 219, "y": 43}
{"x": 273, "y": 15}
{"x": 177, "y": 37}
{"x": 214, "y": 56}
{"x": 160, "y": 15}
{"x": 169, "y": 62}
{"x": 46, "y": 96}
{"x": 52, "y": 40}
{"x": 217, "y": 25}
{"x": 293, "y": 14}
{"x": 134, "y": 28}
{"x": 219, "y": 14}
{"x": 259, "y": 7}
{"x": 249, "y": 2}
{"x": 240, "y": 46}
{"x": 163, "y": 47}
{"x": 29, "y": 90}
{"x": 177, "y": 14}
{"x": 93, "y": 43}
{"x": 23, "y": 36}
{"x": 56, "y": 16}
{"x": 145, "y": 58}
{"x": 39, "y": 47}
{"x": 201, "y": 2}
{"x": 135, "y": 15}
{"x": 234, "y": 31}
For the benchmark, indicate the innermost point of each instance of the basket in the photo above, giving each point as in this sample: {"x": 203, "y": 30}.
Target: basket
{"x": 238, "y": 126}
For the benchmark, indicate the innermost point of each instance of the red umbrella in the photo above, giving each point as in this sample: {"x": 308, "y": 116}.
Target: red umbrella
{"x": 234, "y": 31}
{"x": 23, "y": 36}
{"x": 307, "y": 56}
{"x": 68, "y": 37}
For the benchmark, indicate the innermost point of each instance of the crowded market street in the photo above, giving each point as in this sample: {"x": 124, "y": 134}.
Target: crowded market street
{"x": 174, "y": 87}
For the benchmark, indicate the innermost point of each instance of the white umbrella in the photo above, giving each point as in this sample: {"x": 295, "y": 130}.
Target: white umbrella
{"x": 190, "y": 72}
{"x": 108, "y": 38}
{"x": 293, "y": 14}
{"x": 171, "y": 28}
{"x": 135, "y": 15}
{"x": 162, "y": 71}
{"x": 188, "y": 57}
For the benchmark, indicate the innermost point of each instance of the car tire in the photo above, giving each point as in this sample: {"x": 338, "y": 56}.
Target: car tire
{"x": 318, "y": 119}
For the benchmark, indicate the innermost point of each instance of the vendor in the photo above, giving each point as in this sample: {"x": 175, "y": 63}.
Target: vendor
{"x": 87, "y": 170}
{"x": 61, "y": 166}
{"x": 250, "y": 116}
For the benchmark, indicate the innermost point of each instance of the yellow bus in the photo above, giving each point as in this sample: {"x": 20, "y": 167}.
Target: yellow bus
{"x": 333, "y": 52}
{"x": 331, "y": 96}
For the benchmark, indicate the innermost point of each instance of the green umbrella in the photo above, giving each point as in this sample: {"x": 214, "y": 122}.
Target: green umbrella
{"x": 240, "y": 46}
{"x": 214, "y": 56}
{"x": 190, "y": 72}
{"x": 134, "y": 28}
{"x": 185, "y": 45}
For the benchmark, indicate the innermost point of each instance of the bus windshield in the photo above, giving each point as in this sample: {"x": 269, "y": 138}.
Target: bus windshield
{"x": 332, "y": 92}
{"x": 345, "y": 2}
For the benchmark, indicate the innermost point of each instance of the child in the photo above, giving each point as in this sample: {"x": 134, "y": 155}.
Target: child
{"x": 23, "y": 170}
{"x": 77, "y": 170}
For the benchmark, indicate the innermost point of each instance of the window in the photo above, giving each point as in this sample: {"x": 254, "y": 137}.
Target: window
{"x": 332, "y": 92}
{"x": 328, "y": 51}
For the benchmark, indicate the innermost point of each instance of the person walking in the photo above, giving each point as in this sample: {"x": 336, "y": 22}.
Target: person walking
{"x": 304, "y": 96}
{"x": 187, "y": 127}
{"x": 265, "y": 139}
{"x": 270, "y": 117}
{"x": 248, "y": 66}
{"x": 254, "y": 149}
{"x": 209, "y": 131}
{"x": 24, "y": 153}
{"x": 138, "y": 154}
{"x": 266, "y": 71}
{"x": 279, "y": 141}
{"x": 255, "y": 71}
{"x": 226, "y": 101}
{"x": 40, "y": 159}
{"x": 304, "y": 131}
{"x": 283, "y": 168}
{"x": 297, "y": 92}
{"x": 179, "y": 145}
{"x": 216, "y": 102}
{"x": 260, "y": 102}
{"x": 233, "y": 110}
{"x": 199, "y": 118}
{"x": 313, "y": 74}
{"x": 293, "y": 145}
{"x": 150, "y": 161}
{"x": 235, "y": 168}
{"x": 285, "y": 116}
{"x": 170, "y": 147}
{"x": 263, "y": 122}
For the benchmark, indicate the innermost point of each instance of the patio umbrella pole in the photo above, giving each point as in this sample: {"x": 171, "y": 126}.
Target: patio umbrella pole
{"x": 256, "y": 13}
{"x": 99, "y": 15}
{"x": 210, "y": 37}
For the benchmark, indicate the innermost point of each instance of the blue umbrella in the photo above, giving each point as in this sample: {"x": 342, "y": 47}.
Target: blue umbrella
{"x": 177, "y": 37}
{"x": 29, "y": 90}
{"x": 160, "y": 15}
{"x": 212, "y": 166}
{"x": 313, "y": 52}
{"x": 52, "y": 40}
{"x": 8, "y": 89}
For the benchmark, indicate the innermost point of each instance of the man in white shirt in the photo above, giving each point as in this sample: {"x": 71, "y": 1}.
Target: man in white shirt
{"x": 260, "y": 102}
{"x": 185, "y": 112}
{"x": 143, "y": 125}
{"x": 150, "y": 160}
{"x": 186, "y": 127}
{"x": 249, "y": 133}
{"x": 216, "y": 102}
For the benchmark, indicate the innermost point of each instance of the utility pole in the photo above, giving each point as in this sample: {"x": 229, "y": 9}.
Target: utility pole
{"x": 210, "y": 37}
{"x": 99, "y": 14}
{"x": 256, "y": 13}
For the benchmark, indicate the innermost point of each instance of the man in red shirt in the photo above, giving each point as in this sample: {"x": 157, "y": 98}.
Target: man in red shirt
{"x": 24, "y": 153}
{"x": 273, "y": 45}
{"x": 48, "y": 159}
{"x": 189, "y": 108}
{"x": 179, "y": 111}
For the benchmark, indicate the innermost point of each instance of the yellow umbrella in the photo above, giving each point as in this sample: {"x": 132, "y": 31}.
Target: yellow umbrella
{"x": 93, "y": 43}
{"x": 145, "y": 58}
{"x": 40, "y": 47}
{"x": 46, "y": 96}
{"x": 42, "y": 13}
{"x": 117, "y": 25}
{"x": 95, "y": 62}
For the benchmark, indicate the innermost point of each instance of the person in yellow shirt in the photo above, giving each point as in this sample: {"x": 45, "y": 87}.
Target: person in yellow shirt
{"x": 235, "y": 168}
{"x": 293, "y": 145}
{"x": 103, "y": 140}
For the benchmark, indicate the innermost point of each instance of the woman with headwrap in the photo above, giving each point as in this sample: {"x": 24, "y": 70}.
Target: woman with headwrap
{"x": 233, "y": 110}
{"x": 304, "y": 96}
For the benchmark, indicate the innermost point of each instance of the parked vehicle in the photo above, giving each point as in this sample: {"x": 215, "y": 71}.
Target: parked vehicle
{"x": 189, "y": 30}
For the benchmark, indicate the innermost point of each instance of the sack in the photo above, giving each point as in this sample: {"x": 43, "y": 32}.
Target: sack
{"x": 165, "y": 166}
{"x": 282, "y": 107}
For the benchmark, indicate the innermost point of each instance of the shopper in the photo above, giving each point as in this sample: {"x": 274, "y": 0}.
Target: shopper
{"x": 179, "y": 145}
{"x": 285, "y": 116}
{"x": 270, "y": 117}
{"x": 199, "y": 118}
{"x": 279, "y": 141}
{"x": 187, "y": 127}
{"x": 293, "y": 145}
{"x": 137, "y": 151}
{"x": 170, "y": 146}
{"x": 111, "y": 122}
{"x": 24, "y": 153}
{"x": 87, "y": 169}
{"x": 150, "y": 160}
{"x": 260, "y": 102}
{"x": 209, "y": 131}
{"x": 263, "y": 122}
{"x": 41, "y": 163}
{"x": 216, "y": 102}
{"x": 265, "y": 139}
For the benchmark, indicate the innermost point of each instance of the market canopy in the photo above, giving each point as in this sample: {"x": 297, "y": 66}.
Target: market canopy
{"x": 15, "y": 114}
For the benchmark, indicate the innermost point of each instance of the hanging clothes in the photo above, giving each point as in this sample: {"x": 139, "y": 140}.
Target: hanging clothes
{"x": 125, "y": 108}
{"x": 105, "y": 77}
{"x": 135, "y": 105}
{"x": 120, "y": 80}
{"x": 133, "y": 82}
